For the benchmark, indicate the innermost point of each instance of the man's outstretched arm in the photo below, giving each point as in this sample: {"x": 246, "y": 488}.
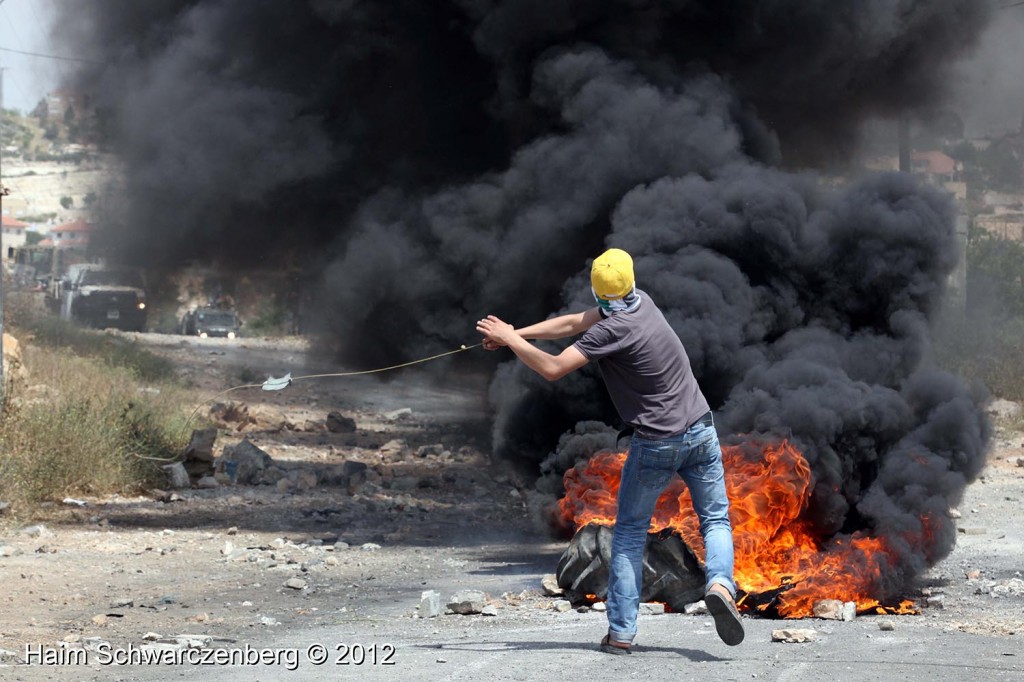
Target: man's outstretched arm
{"x": 562, "y": 326}
{"x": 551, "y": 367}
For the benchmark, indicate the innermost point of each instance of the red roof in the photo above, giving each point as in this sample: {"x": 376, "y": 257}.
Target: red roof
{"x": 938, "y": 163}
{"x": 13, "y": 222}
{"x": 74, "y": 226}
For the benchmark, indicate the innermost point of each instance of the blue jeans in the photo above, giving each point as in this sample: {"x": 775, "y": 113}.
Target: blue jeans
{"x": 697, "y": 457}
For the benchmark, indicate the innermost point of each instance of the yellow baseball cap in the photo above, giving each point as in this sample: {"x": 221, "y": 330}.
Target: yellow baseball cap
{"x": 612, "y": 274}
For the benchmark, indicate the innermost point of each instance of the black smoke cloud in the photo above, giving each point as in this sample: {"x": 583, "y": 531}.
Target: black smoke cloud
{"x": 437, "y": 161}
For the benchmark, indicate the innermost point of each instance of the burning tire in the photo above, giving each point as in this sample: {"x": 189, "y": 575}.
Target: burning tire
{"x": 671, "y": 573}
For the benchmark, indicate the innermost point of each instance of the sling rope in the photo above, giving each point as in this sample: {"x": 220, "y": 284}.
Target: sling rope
{"x": 272, "y": 384}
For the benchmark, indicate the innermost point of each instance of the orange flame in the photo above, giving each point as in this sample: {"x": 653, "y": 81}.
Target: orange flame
{"x": 769, "y": 486}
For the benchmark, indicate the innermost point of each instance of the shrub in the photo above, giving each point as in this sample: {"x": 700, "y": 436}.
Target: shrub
{"x": 116, "y": 351}
{"x": 85, "y": 428}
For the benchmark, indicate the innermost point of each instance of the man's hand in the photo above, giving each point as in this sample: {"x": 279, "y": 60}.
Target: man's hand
{"x": 496, "y": 333}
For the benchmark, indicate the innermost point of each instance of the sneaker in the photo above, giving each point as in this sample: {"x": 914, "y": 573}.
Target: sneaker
{"x": 727, "y": 618}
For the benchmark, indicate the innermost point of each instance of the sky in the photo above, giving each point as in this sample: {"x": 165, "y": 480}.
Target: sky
{"x": 24, "y": 25}
{"x": 988, "y": 91}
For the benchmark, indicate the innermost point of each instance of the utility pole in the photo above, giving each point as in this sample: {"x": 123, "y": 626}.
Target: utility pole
{"x": 3, "y": 192}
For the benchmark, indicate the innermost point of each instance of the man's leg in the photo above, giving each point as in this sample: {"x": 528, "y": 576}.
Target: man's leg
{"x": 705, "y": 477}
{"x": 648, "y": 469}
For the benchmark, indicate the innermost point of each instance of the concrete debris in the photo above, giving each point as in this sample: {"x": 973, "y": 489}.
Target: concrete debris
{"x": 973, "y": 575}
{"x": 550, "y": 584}
{"x": 267, "y": 620}
{"x": 399, "y": 414}
{"x": 200, "y": 447}
{"x": 828, "y": 609}
{"x": 295, "y": 584}
{"x": 339, "y": 423}
{"x": 467, "y": 602}
{"x": 935, "y": 601}
{"x": 886, "y": 626}
{"x": 430, "y": 604}
{"x": 954, "y": 513}
{"x": 427, "y": 450}
{"x": 8, "y": 551}
{"x": 72, "y": 502}
{"x": 1014, "y": 587}
{"x": 126, "y": 602}
{"x": 152, "y": 636}
{"x": 37, "y": 531}
{"x": 394, "y": 449}
{"x": 599, "y": 606}
{"x": 247, "y": 461}
{"x": 100, "y": 619}
{"x": 697, "y": 608}
{"x": 561, "y": 605}
{"x": 652, "y": 608}
{"x": 207, "y": 483}
{"x": 794, "y": 635}
{"x": 4, "y": 506}
{"x": 369, "y": 546}
{"x": 177, "y": 476}
{"x": 489, "y": 610}
{"x": 94, "y": 643}
{"x": 189, "y": 641}
{"x": 849, "y": 611}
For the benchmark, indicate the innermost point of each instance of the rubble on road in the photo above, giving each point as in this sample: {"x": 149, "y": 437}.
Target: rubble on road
{"x": 467, "y": 602}
{"x": 834, "y": 609}
{"x": 794, "y": 635}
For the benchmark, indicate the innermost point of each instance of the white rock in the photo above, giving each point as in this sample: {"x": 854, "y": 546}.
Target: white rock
{"x": 430, "y": 604}
{"x": 794, "y": 635}
{"x": 697, "y": 608}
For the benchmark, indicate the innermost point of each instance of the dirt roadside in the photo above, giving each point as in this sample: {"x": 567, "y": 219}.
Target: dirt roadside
{"x": 260, "y": 566}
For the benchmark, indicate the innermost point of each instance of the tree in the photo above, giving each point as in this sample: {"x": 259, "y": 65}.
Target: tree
{"x": 67, "y": 203}
{"x": 41, "y": 112}
{"x": 32, "y": 237}
{"x": 89, "y": 199}
{"x": 997, "y": 265}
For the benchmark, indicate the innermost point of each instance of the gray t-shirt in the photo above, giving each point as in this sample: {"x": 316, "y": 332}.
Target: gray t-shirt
{"x": 646, "y": 370}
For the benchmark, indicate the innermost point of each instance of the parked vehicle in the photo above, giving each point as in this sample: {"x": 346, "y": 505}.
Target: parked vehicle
{"x": 103, "y": 296}
{"x": 207, "y": 322}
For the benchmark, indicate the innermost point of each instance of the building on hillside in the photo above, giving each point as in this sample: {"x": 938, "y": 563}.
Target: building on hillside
{"x": 58, "y": 102}
{"x": 1002, "y": 224}
{"x": 75, "y": 233}
{"x": 1003, "y": 215}
{"x": 13, "y": 236}
{"x": 936, "y": 166}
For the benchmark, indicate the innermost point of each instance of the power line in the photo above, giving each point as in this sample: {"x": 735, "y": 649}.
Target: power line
{"x": 50, "y": 56}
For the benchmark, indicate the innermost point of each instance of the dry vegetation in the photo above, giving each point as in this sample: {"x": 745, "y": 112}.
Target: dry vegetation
{"x": 96, "y": 415}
